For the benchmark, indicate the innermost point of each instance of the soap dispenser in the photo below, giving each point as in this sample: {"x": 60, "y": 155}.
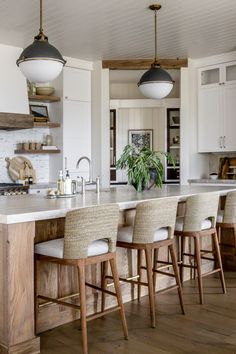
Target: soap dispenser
{"x": 60, "y": 184}
{"x": 68, "y": 187}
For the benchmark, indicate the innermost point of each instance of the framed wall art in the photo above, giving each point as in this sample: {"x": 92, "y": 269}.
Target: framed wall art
{"x": 39, "y": 112}
{"x": 140, "y": 138}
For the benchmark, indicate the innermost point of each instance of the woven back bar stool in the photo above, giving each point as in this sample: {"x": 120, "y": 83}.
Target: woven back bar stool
{"x": 226, "y": 219}
{"x": 90, "y": 238}
{"x": 198, "y": 222}
{"x": 153, "y": 228}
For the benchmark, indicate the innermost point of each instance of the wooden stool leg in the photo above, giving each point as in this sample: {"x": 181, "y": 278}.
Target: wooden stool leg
{"x": 182, "y": 250}
{"x": 219, "y": 262}
{"x": 155, "y": 259}
{"x": 148, "y": 254}
{"x": 177, "y": 277}
{"x": 81, "y": 271}
{"x": 118, "y": 294}
{"x": 139, "y": 272}
{"x": 104, "y": 266}
{"x": 234, "y": 231}
{"x": 218, "y": 230}
{"x": 36, "y": 286}
{"x": 199, "y": 271}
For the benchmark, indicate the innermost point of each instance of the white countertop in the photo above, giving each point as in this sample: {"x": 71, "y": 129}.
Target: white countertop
{"x": 213, "y": 181}
{"x": 24, "y": 208}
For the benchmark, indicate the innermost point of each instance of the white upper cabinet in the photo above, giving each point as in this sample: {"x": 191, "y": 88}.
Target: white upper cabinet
{"x": 13, "y": 86}
{"x": 216, "y": 108}
{"x": 77, "y": 84}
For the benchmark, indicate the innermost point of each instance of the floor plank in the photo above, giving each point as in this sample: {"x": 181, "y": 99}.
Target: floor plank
{"x": 208, "y": 328}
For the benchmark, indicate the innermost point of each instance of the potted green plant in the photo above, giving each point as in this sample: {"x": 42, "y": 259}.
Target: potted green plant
{"x": 144, "y": 166}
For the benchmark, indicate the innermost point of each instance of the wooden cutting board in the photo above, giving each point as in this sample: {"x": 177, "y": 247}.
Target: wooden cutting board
{"x": 20, "y": 167}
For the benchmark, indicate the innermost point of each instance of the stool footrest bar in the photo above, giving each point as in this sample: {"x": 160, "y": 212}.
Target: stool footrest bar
{"x": 100, "y": 289}
{"x": 59, "y": 302}
{"x": 101, "y": 314}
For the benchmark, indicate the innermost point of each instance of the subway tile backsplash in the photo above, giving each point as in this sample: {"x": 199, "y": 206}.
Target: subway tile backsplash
{"x": 8, "y": 143}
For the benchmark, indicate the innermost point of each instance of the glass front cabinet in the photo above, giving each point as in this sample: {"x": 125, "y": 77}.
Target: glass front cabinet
{"x": 173, "y": 145}
{"x": 112, "y": 145}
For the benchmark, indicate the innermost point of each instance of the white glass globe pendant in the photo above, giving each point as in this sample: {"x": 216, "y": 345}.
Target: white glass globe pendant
{"x": 41, "y": 62}
{"x": 155, "y": 83}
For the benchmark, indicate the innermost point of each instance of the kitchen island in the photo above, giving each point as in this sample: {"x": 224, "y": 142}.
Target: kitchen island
{"x": 27, "y": 219}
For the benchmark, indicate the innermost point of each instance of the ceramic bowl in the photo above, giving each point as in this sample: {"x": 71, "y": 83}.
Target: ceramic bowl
{"x": 213, "y": 176}
{"x": 44, "y": 90}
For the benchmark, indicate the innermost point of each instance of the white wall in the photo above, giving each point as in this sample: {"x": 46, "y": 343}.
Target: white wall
{"x": 139, "y": 118}
{"x": 13, "y": 87}
{"x": 14, "y": 99}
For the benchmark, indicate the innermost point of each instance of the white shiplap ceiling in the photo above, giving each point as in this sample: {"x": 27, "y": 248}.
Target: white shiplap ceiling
{"x": 123, "y": 29}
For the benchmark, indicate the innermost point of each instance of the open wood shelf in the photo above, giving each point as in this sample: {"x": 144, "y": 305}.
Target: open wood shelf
{"x": 37, "y": 151}
{"x": 46, "y": 125}
{"x": 43, "y": 98}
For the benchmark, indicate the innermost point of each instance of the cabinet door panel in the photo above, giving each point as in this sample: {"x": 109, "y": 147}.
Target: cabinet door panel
{"x": 73, "y": 149}
{"x": 230, "y": 117}
{"x": 77, "y": 84}
{"x": 77, "y": 120}
{"x": 76, "y": 133}
{"x": 209, "y": 119}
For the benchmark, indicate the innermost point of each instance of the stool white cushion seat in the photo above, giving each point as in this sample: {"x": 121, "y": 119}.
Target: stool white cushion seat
{"x": 125, "y": 234}
{"x": 54, "y": 248}
{"x": 220, "y": 216}
{"x": 179, "y": 225}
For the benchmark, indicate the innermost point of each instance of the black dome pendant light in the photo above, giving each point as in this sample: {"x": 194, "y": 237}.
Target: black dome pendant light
{"x": 41, "y": 62}
{"x": 155, "y": 83}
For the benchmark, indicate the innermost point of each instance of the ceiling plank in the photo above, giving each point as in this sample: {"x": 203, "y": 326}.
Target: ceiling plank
{"x": 143, "y": 64}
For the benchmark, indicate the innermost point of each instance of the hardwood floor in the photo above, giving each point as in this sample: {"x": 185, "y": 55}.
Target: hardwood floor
{"x": 207, "y": 328}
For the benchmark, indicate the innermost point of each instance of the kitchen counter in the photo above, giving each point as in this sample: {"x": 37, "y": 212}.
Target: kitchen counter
{"x": 217, "y": 181}
{"x": 25, "y": 208}
{"x": 27, "y": 219}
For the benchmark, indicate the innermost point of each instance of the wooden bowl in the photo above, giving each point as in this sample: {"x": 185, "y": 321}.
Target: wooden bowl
{"x": 44, "y": 90}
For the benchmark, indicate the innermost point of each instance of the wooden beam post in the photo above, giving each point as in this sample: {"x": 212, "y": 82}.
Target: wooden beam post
{"x": 143, "y": 64}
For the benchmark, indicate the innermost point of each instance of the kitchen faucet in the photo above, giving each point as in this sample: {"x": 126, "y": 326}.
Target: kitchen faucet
{"x": 90, "y": 181}
{"x": 90, "y": 167}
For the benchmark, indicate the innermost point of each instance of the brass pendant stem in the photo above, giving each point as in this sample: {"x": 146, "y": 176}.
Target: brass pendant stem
{"x": 155, "y": 36}
{"x": 155, "y": 7}
{"x": 41, "y": 36}
{"x": 41, "y": 16}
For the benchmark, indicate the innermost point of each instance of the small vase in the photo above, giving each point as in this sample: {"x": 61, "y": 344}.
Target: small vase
{"x": 151, "y": 183}
{"x": 48, "y": 140}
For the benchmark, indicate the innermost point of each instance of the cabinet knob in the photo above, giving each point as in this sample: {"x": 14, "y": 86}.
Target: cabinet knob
{"x": 66, "y": 97}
